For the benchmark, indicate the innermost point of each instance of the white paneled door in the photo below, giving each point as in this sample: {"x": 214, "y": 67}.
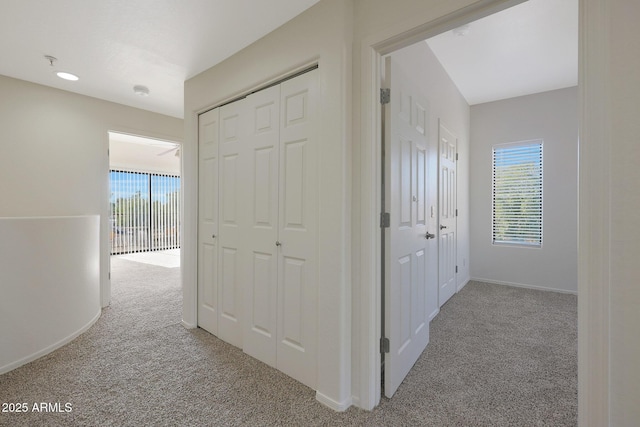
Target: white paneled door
{"x": 208, "y": 221}
{"x": 406, "y": 239}
{"x": 297, "y": 231}
{"x": 262, "y": 121}
{"x": 267, "y": 182}
{"x": 232, "y": 222}
{"x": 447, "y": 214}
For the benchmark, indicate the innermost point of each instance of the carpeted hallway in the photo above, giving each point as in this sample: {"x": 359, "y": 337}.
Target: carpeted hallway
{"x": 498, "y": 356}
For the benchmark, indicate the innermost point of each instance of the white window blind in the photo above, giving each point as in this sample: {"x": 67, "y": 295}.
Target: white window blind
{"x": 145, "y": 211}
{"x": 517, "y": 193}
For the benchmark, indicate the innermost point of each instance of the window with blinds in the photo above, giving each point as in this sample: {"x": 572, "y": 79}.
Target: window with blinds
{"x": 517, "y": 193}
{"x": 145, "y": 211}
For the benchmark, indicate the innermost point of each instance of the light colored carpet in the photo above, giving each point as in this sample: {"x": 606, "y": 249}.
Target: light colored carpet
{"x": 169, "y": 258}
{"x": 498, "y": 356}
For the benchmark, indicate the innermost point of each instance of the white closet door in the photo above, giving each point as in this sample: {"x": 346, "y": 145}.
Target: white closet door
{"x": 208, "y": 221}
{"x": 406, "y": 243}
{"x": 298, "y": 211}
{"x": 232, "y": 206}
{"x": 261, "y": 258}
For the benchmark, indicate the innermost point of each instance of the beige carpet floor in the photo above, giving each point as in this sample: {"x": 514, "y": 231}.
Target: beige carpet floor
{"x": 498, "y": 356}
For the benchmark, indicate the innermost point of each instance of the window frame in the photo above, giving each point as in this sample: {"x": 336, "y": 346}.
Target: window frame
{"x": 510, "y": 240}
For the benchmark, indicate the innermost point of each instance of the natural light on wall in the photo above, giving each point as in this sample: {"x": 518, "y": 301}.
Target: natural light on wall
{"x": 517, "y": 193}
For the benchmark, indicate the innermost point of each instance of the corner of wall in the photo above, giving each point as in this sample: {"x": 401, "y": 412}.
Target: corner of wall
{"x": 332, "y": 404}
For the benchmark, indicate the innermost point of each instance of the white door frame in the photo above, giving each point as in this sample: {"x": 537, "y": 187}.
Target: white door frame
{"x": 594, "y": 282}
{"x": 372, "y": 49}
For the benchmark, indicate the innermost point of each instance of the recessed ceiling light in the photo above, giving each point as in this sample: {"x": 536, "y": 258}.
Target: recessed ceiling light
{"x": 67, "y": 76}
{"x": 141, "y": 90}
{"x": 62, "y": 74}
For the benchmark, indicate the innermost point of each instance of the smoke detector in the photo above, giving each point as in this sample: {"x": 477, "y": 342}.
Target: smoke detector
{"x": 141, "y": 90}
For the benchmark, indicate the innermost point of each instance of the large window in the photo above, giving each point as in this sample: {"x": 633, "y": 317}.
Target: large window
{"x": 517, "y": 193}
{"x": 145, "y": 211}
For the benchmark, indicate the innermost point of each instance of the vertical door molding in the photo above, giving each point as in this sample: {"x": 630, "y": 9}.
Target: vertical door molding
{"x": 594, "y": 234}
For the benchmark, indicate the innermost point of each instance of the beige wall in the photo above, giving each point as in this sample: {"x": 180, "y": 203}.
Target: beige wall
{"x": 553, "y": 117}
{"x": 624, "y": 187}
{"x": 53, "y": 152}
{"x": 54, "y": 147}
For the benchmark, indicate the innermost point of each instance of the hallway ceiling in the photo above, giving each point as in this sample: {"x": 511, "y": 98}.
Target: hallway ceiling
{"x": 528, "y": 48}
{"x": 113, "y": 45}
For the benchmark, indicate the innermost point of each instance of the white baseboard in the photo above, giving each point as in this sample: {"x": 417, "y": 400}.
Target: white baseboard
{"x": 336, "y": 406}
{"x": 188, "y": 325}
{"x": 38, "y": 354}
{"x": 434, "y": 314}
{"x": 355, "y": 401}
{"x": 463, "y": 284}
{"x": 523, "y": 285}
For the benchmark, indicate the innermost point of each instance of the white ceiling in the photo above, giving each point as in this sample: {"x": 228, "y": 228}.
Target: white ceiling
{"x": 128, "y": 152}
{"x": 116, "y": 44}
{"x": 113, "y": 45}
{"x": 529, "y": 48}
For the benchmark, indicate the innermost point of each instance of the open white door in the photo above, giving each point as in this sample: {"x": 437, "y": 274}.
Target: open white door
{"x": 448, "y": 234}
{"x": 406, "y": 238}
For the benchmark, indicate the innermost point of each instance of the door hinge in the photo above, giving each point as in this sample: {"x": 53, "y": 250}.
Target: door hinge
{"x": 456, "y": 212}
{"x": 384, "y": 345}
{"x": 456, "y": 156}
{"x": 456, "y": 268}
{"x": 385, "y": 220}
{"x": 385, "y": 96}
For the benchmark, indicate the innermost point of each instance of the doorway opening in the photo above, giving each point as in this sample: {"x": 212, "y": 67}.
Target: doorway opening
{"x": 144, "y": 203}
{"x": 422, "y": 206}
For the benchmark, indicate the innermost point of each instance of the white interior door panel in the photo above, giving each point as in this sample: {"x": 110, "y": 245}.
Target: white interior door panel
{"x": 261, "y": 261}
{"x": 406, "y": 244}
{"x": 258, "y": 268}
{"x": 232, "y": 221}
{"x": 297, "y": 234}
{"x": 208, "y": 124}
{"x": 447, "y": 218}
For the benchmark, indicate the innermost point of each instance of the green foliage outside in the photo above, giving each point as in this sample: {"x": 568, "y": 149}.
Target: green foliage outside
{"x": 517, "y": 203}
